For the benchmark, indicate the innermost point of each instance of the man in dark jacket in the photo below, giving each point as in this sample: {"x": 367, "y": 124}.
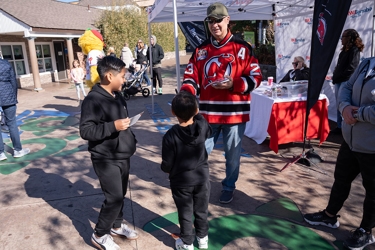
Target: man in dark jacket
{"x": 157, "y": 56}
{"x": 8, "y": 101}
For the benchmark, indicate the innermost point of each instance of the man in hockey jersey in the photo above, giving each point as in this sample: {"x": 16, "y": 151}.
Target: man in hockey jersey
{"x": 223, "y": 71}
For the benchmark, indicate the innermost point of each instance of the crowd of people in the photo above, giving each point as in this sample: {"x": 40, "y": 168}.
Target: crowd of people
{"x": 222, "y": 71}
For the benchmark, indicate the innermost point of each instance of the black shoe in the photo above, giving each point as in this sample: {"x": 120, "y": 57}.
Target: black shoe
{"x": 359, "y": 239}
{"x": 321, "y": 218}
{"x": 226, "y": 196}
{"x": 336, "y": 131}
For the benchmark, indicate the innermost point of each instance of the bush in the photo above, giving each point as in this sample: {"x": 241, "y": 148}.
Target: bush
{"x": 129, "y": 25}
{"x": 266, "y": 54}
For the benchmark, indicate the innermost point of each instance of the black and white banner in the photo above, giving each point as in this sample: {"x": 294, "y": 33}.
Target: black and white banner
{"x": 194, "y": 32}
{"x": 328, "y": 22}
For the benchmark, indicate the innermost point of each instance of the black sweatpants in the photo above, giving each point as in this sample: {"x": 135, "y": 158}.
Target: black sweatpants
{"x": 113, "y": 177}
{"x": 192, "y": 201}
{"x": 156, "y": 74}
{"x": 348, "y": 165}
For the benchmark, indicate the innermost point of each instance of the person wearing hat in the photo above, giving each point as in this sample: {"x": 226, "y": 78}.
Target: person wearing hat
{"x": 223, "y": 71}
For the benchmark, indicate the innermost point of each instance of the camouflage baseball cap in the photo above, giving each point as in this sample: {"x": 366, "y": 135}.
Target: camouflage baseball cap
{"x": 217, "y": 10}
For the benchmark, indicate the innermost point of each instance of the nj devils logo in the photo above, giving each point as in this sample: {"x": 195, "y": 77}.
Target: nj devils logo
{"x": 322, "y": 28}
{"x": 217, "y": 67}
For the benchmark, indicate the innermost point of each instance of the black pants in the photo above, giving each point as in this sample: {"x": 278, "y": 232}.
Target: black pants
{"x": 192, "y": 201}
{"x": 113, "y": 177}
{"x": 156, "y": 74}
{"x": 349, "y": 164}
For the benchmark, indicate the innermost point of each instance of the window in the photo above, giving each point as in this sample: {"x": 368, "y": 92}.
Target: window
{"x": 14, "y": 54}
{"x": 43, "y": 54}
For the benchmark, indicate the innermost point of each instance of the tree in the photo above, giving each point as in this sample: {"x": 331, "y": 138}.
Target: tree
{"x": 123, "y": 24}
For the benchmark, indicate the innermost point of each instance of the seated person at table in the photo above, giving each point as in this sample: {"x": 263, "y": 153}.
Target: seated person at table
{"x": 299, "y": 72}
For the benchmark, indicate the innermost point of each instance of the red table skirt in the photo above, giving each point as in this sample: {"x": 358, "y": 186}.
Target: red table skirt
{"x": 287, "y": 123}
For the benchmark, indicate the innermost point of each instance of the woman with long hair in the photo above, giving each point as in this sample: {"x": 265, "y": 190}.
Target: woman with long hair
{"x": 346, "y": 64}
{"x": 140, "y": 54}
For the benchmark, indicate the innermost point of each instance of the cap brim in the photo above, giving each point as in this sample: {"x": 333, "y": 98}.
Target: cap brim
{"x": 215, "y": 16}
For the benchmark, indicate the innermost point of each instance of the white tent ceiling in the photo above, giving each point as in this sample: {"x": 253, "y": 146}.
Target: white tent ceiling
{"x": 195, "y": 10}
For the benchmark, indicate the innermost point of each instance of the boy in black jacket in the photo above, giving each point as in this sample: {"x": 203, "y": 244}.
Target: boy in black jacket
{"x": 184, "y": 157}
{"x": 105, "y": 124}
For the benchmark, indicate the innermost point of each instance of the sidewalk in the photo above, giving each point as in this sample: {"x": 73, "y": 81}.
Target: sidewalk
{"x": 50, "y": 199}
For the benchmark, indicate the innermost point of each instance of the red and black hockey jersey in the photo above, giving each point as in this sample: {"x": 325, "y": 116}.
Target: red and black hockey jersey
{"x": 211, "y": 61}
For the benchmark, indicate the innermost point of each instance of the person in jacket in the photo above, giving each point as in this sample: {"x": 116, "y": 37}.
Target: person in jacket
{"x": 223, "y": 71}
{"x": 78, "y": 75}
{"x": 356, "y": 155}
{"x": 8, "y": 101}
{"x": 105, "y": 124}
{"x": 157, "y": 56}
{"x": 126, "y": 55}
{"x": 346, "y": 64}
{"x": 111, "y": 52}
{"x": 299, "y": 72}
{"x": 140, "y": 54}
{"x": 184, "y": 157}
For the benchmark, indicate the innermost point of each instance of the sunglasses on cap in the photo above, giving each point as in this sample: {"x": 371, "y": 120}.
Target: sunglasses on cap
{"x": 214, "y": 20}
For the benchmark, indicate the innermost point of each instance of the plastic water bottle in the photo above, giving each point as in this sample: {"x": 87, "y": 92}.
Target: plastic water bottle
{"x": 274, "y": 91}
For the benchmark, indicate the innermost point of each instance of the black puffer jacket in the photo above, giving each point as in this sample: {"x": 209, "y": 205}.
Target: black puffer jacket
{"x": 8, "y": 84}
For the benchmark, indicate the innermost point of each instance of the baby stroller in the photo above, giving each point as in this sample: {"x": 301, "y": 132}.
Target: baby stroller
{"x": 135, "y": 82}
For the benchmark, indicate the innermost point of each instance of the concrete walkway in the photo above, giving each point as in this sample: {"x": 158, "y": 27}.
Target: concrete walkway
{"x": 51, "y": 198}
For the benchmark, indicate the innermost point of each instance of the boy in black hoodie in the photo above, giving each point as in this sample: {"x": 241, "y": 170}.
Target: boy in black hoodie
{"x": 105, "y": 124}
{"x": 184, "y": 157}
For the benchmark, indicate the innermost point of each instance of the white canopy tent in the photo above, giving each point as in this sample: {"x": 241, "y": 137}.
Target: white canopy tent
{"x": 278, "y": 10}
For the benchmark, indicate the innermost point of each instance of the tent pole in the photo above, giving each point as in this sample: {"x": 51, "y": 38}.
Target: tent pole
{"x": 152, "y": 73}
{"x": 176, "y": 45}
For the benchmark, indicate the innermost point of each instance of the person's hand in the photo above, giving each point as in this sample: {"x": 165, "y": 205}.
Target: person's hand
{"x": 122, "y": 124}
{"x": 299, "y": 65}
{"x": 347, "y": 114}
{"x": 224, "y": 85}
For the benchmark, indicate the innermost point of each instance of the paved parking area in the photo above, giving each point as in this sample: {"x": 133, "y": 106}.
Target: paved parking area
{"x": 51, "y": 198}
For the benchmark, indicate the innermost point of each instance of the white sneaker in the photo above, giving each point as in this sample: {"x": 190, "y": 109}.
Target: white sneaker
{"x": 20, "y": 153}
{"x": 3, "y": 157}
{"x": 125, "y": 231}
{"x": 203, "y": 242}
{"x": 180, "y": 245}
{"x": 105, "y": 242}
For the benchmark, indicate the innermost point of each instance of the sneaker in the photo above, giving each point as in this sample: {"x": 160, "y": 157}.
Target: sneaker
{"x": 160, "y": 91}
{"x": 20, "y": 153}
{"x": 359, "y": 239}
{"x": 105, "y": 242}
{"x": 125, "y": 231}
{"x": 203, "y": 242}
{"x": 3, "y": 157}
{"x": 226, "y": 196}
{"x": 321, "y": 218}
{"x": 180, "y": 245}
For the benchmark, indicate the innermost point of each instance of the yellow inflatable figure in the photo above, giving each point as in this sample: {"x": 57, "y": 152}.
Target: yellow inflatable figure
{"x": 91, "y": 43}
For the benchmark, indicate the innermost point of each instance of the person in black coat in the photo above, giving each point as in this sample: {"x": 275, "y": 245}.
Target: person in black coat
{"x": 106, "y": 125}
{"x": 185, "y": 158}
{"x": 157, "y": 56}
{"x": 299, "y": 72}
{"x": 8, "y": 101}
{"x": 346, "y": 64}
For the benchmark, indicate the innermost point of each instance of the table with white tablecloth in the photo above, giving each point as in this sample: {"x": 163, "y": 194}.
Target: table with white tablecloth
{"x": 283, "y": 119}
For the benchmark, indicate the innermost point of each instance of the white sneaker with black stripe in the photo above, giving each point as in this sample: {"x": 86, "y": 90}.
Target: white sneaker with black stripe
{"x": 3, "y": 157}
{"x": 105, "y": 242}
{"x": 124, "y": 231}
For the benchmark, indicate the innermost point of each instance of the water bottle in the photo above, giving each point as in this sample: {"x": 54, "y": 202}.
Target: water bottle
{"x": 274, "y": 91}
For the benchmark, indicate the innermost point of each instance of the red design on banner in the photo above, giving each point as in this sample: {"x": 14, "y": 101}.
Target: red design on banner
{"x": 322, "y": 28}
